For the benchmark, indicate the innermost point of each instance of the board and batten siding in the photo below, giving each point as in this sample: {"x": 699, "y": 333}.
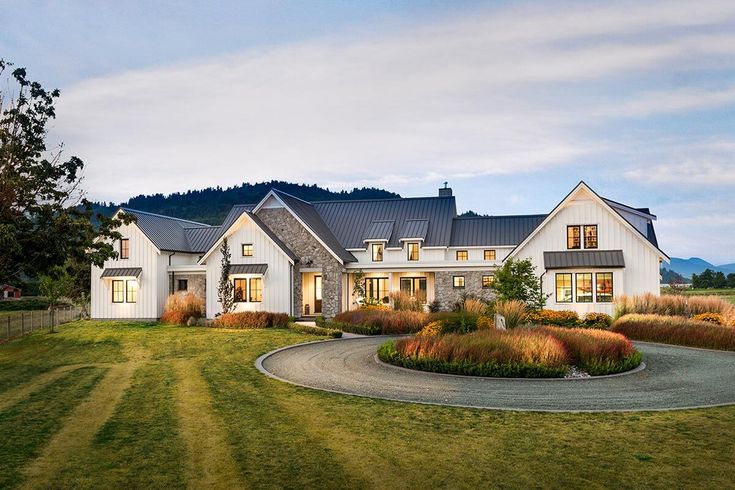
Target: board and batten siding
{"x": 151, "y": 289}
{"x": 641, "y": 272}
{"x": 276, "y": 281}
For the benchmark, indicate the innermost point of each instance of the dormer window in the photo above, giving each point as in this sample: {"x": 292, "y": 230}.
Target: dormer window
{"x": 573, "y": 237}
{"x": 413, "y": 251}
{"x": 462, "y": 255}
{"x": 124, "y": 248}
{"x": 377, "y": 250}
{"x": 489, "y": 255}
{"x": 590, "y": 236}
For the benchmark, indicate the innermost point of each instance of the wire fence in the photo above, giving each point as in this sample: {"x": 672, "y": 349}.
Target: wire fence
{"x": 17, "y": 324}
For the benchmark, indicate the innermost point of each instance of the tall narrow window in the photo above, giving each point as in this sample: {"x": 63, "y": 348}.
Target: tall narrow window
{"x": 573, "y": 238}
{"x": 584, "y": 287}
{"x": 487, "y": 281}
{"x": 604, "y": 287}
{"x": 489, "y": 255}
{"x": 131, "y": 291}
{"x": 376, "y": 289}
{"x": 563, "y": 288}
{"x": 247, "y": 249}
{"x": 377, "y": 252}
{"x": 256, "y": 290}
{"x": 458, "y": 282}
{"x": 241, "y": 290}
{"x": 590, "y": 236}
{"x": 413, "y": 251}
{"x": 118, "y": 291}
{"x": 415, "y": 286}
{"x": 124, "y": 248}
{"x": 462, "y": 255}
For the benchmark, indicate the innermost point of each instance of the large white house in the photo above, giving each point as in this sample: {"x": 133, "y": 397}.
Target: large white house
{"x": 299, "y": 257}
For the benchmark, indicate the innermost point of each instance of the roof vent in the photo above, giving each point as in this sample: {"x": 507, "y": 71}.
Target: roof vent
{"x": 445, "y": 191}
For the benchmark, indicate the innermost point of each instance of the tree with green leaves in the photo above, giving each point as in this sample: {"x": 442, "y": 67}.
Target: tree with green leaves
{"x": 358, "y": 285}
{"x": 45, "y": 218}
{"x": 225, "y": 289}
{"x": 54, "y": 286}
{"x": 517, "y": 280}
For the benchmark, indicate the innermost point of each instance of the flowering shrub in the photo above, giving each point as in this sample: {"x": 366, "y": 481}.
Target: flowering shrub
{"x": 180, "y": 307}
{"x": 565, "y": 318}
{"x": 676, "y": 330}
{"x": 251, "y": 319}
{"x": 485, "y": 323}
{"x": 431, "y": 329}
{"x": 596, "y": 320}
{"x": 715, "y": 318}
{"x": 380, "y": 321}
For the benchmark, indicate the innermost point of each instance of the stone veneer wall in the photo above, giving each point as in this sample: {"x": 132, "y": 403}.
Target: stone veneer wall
{"x": 197, "y": 283}
{"x": 312, "y": 255}
{"x": 447, "y": 295}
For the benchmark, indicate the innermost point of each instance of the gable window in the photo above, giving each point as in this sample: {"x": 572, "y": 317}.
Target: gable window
{"x": 590, "y": 236}
{"x": 413, "y": 251}
{"x": 584, "y": 287}
{"x": 376, "y": 289}
{"x": 487, "y": 281}
{"x": 573, "y": 237}
{"x": 458, "y": 282}
{"x": 255, "y": 294}
{"x": 377, "y": 252}
{"x": 563, "y": 288}
{"x": 182, "y": 285}
{"x": 247, "y": 249}
{"x": 124, "y": 248}
{"x": 415, "y": 286}
{"x": 462, "y": 255}
{"x": 118, "y": 291}
{"x": 488, "y": 255}
{"x": 241, "y": 289}
{"x": 604, "y": 287}
{"x": 131, "y": 291}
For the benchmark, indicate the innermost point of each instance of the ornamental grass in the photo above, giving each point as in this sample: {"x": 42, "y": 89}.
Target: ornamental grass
{"x": 380, "y": 321}
{"x": 674, "y": 305}
{"x": 180, "y": 307}
{"x": 251, "y": 319}
{"x": 676, "y": 330}
{"x": 514, "y": 311}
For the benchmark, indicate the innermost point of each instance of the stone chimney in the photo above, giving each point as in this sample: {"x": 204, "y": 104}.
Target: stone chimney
{"x": 445, "y": 191}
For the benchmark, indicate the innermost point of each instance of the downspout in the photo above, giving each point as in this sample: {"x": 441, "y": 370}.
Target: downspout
{"x": 541, "y": 282}
{"x": 172, "y": 274}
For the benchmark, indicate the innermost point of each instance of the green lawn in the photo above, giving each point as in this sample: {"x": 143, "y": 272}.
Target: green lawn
{"x": 726, "y": 294}
{"x": 114, "y": 405}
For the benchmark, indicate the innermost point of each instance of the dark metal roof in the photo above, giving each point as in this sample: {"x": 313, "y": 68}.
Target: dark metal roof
{"x": 651, "y": 235}
{"x": 248, "y": 268}
{"x": 166, "y": 232}
{"x": 379, "y": 230}
{"x": 201, "y": 239}
{"x": 493, "y": 230}
{"x": 350, "y": 220}
{"x": 122, "y": 272}
{"x": 414, "y": 228}
{"x": 570, "y": 259}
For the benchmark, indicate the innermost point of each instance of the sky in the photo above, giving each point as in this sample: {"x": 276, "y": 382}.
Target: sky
{"x": 512, "y": 103}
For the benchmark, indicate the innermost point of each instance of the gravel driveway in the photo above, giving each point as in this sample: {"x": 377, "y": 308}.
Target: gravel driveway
{"x": 673, "y": 378}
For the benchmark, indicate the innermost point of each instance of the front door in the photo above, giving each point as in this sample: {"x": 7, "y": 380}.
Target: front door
{"x": 317, "y": 294}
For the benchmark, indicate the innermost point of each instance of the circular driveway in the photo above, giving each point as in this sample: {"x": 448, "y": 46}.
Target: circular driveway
{"x": 673, "y": 378}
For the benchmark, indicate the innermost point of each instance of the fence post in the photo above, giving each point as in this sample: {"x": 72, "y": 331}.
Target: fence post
{"x": 8, "y": 326}
{"x": 23, "y": 322}
{"x": 31, "y": 320}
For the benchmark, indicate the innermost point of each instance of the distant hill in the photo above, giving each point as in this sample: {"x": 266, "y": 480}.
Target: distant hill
{"x": 212, "y": 204}
{"x": 695, "y": 265}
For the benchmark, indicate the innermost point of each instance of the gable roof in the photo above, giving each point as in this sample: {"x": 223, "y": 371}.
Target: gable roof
{"x": 166, "y": 232}
{"x": 493, "y": 230}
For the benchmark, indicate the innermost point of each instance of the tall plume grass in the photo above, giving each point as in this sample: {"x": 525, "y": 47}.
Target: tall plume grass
{"x": 180, "y": 307}
{"x": 597, "y": 351}
{"x": 676, "y": 330}
{"x": 674, "y": 305}
{"x": 514, "y": 311}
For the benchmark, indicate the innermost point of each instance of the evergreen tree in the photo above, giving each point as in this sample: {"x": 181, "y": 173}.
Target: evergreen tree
{"x": 225, "y": 289}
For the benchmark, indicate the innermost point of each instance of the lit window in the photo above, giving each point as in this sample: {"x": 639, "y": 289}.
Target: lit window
{"x": 376, "y": 289}
{"x": 377, "y": 252}
{"x": 590, "y": 236}
{"x": 563, "y": 288}
{"x": 487, "y": 281}
{"x": 413, "y": 251}
{"x": 256, "y": 289}
{"x": 131, "y": 291}
{"x": 584, "y": 287}
{"x": 124, "y": 248}
{"x": 604, "y": 287}
{"x": 182, "y": 285}
{"x": 573, "y": 237}
{"x": 489, "y": 254}
{"x": 118, "y": 291}
{"x": 415, "y": 286}
{"x": 240, "y": 290}
{"x": 462, "y": 255}
{"x": 458, "y": 281}
{"x": 247, "y": 249}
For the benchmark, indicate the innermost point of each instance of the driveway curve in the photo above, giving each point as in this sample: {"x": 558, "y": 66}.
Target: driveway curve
{"x": 674, "y": 378}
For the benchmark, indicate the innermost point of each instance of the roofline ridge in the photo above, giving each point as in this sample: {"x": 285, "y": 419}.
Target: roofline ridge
{"x": 381, "y": 200}
{"x": 164, "y": 216}
{"x": 289, "y": 195}
{"x": 503, "y": 216}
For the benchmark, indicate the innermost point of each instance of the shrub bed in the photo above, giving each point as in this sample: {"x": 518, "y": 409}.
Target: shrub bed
{"x": 251, "y": 319}
{"x": 180, "y": 307}
{"x": 564, "y": 318}
{"x": 309, "y": 330}
{"x": 379, "y": 321}
{"x": 674, "y": 305}
{"x": 676, "y": 330}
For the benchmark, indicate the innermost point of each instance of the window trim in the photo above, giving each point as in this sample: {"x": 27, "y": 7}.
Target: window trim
{"x": 127, "y": 291}
{"x": 377, "y": 280}
{"x": 244, "y": 297}
{"x": 126, "y": 248}
{"x": 414, "y": 280}
{"x": 612, "y": 288}
{"x": 242, "y": 249}
{"x": 584, "y": 237}
{"x": 454, "y": 282}
{"x": 122, "y": 290}
{"x": 466, "y": 254}
{"x": 410, "y": 245}
{"x": 571, "y": 287}
{"x": 576, "y": 287}
{"x": 490, "y": 283}
{"x": 579, "y": 237}
{"x": 250, "y": 289}
{"x": 178, "y": 285}
{"x": 490, "y": 251}
{"x": 382, "y": 251}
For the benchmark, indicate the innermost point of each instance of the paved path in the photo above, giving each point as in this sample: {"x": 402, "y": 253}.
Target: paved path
{"x": 674, "y": 378}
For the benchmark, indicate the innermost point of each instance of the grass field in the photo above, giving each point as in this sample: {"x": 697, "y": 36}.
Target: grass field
{"x": 726, "y": 294}
{"x": 114, "y": 405}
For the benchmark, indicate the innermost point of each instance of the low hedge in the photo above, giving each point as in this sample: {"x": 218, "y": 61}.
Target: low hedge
{"x": 568, "y": 318}
{"x": 309, "y": 330}
{"x": 676, "y": 330}
{"x": 251, "y": 319}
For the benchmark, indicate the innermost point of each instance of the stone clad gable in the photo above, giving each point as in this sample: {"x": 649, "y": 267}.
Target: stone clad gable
{"x": 311, "y": 254}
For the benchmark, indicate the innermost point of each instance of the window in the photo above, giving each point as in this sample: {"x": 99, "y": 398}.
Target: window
{"x": 415, "y": 286}
{"x": 590, "y": 236}
{"x": 256, "y": 289}
{"x": 487, "y": 281}
{"x": 247, "y": 249}
{"x": 182, "y": 285}
{"x": 604, "y": 287}
{"x": 584, "y": 287}
{"x": 413, "y": 251}
{"x": 377, "y": 252}
{"x": 563, "y": 288}
{"x": 458, "y": 281}
{"x": 241, "y": 290}
{"x": 376, "y": 289}
{"x": 124, "y": 248}
{"x": 118, "y": 291}
{"x": 573, "y": 240}
{"x": 489, "y": 254}
{"x": 131, "y": 291}
{"x": 462, "y": 255}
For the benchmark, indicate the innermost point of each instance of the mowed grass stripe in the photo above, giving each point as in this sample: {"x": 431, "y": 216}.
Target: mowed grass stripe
{"x": 27, "y": 425}
{"x": 209, "y": 462}
{"x": 15, "y": 395}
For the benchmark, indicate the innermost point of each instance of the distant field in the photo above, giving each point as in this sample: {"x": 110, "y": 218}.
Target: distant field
{"x": 727, "y": 294}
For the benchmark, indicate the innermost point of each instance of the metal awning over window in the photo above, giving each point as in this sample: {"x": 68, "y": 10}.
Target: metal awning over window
{"x": 248, "y": 268}
{"x": 584, "y": 259}
{"x": 122, "y": 272}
